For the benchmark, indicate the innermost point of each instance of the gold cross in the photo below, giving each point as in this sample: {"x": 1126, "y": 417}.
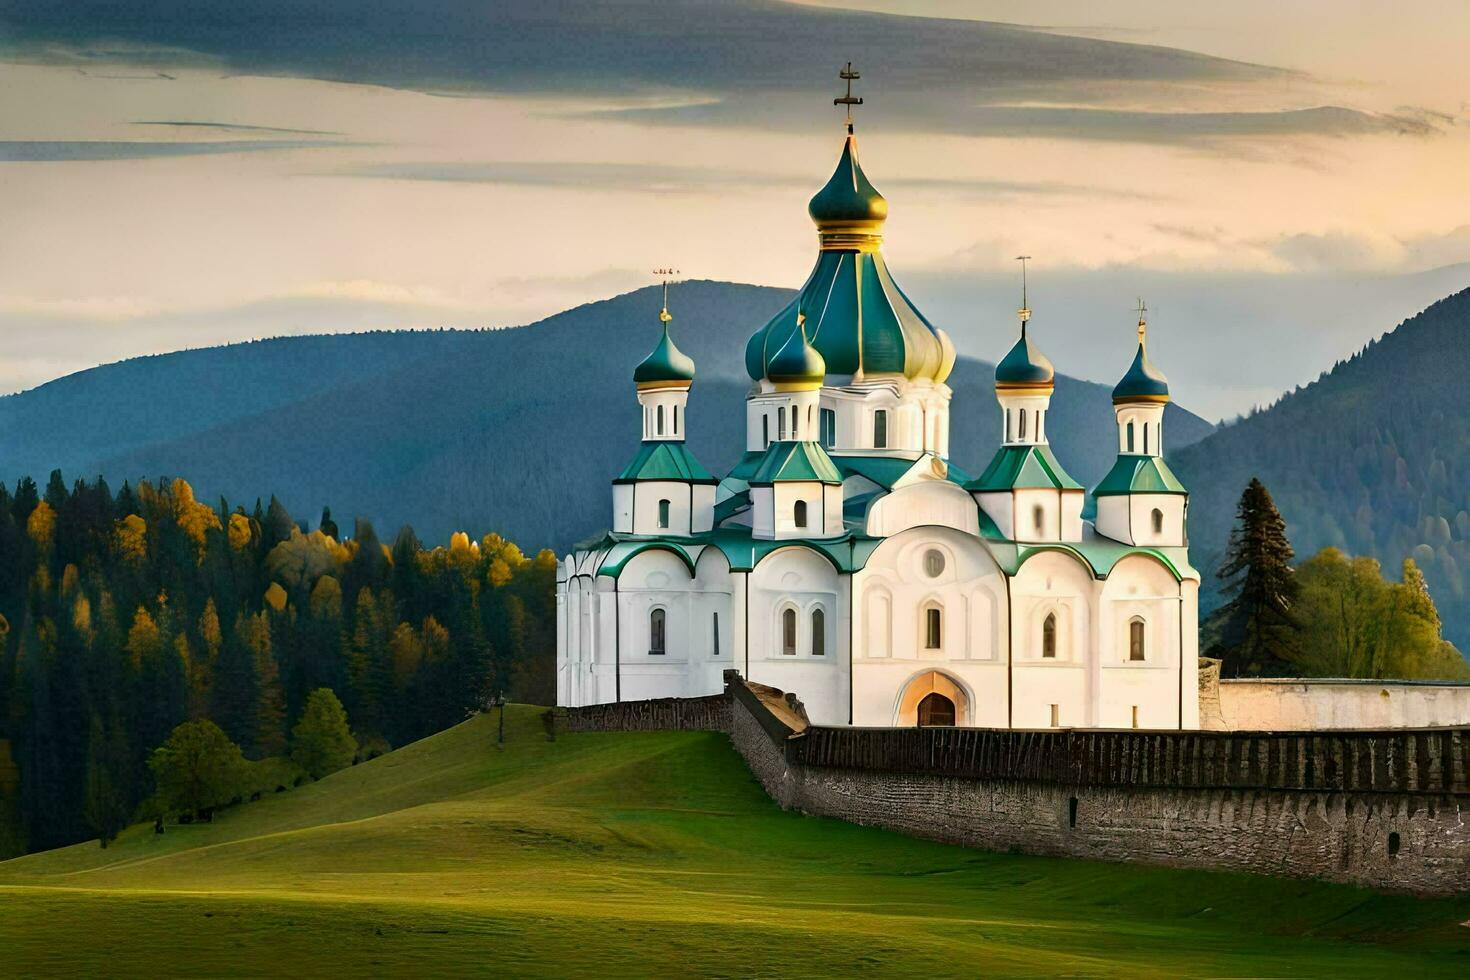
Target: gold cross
{"x": 849, "y": 76}
{"x": 665, "y": 274}
{"x": 1024, "y": 311}
{"x": 1142, "y": 318}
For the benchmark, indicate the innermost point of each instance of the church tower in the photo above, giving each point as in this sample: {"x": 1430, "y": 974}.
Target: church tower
{"x": 1024, "y": 490}
{"x": 1140, "y": 501}
{"x": 664, "y": 490}
{"x": 885, "y": 391}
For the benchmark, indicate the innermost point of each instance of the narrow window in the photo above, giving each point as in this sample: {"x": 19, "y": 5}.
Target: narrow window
{"x": 1158, "y": 521}
{"x": 788, "y": 633}
{"x": 880, "y": 429}
{"x": 933, "y": 629}
{"x": 1393, "y": 844}
{"x": 663, "y": 513}
{"x": 795, "y": 417}
{"x": 1049, "y": 636}
{"x": 1135, "y": 640}
{"x": 781, "y": 424}
{"x": 1135, "y": 716}
{"x": 800, "y": 513}
{"x": 656, "y": 633}
{"x": 1072, "y": 812}
{"x": 1130, "y": 437}
{"x": 1023, "y": 426}
{"x": 676, "y": 420}
{"x": 660, "y": 420}
{"x": 1145, "y": 439}
{"x": 1008, "y": 426}
{"x": 765, "y": 430}
{"x": 1056, "y": 716}
{"x": 715, "y": 647}
{"x": 819, "y": 633}
{"x": 829, "y": 427}
{"x": 1038, "y": 515}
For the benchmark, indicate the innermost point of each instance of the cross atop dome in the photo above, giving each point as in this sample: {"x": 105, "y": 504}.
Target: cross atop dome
{"x": 848, "y": 75}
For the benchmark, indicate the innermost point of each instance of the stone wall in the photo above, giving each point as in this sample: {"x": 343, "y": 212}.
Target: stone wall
{"x": 1286, "y": 704}
{"x": 661, "y": 714}
{"x": 1387, "y": 809}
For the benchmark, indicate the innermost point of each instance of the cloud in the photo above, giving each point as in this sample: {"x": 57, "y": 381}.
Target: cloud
{"x": 70, "y": 151}
{"x": 233, "y": 127}
{"x": 726, "y": 63}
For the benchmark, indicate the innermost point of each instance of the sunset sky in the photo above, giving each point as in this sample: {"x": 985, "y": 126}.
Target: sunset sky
{"x": 1280, "y": 181}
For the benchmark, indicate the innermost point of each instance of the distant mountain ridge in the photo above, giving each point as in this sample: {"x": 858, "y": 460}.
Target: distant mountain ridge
{"x": 517, "y": 430}
{"x": 1372, "y": 458}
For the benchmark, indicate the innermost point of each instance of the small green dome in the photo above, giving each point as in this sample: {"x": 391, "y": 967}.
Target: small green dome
{"x": 849, "y": 202}
{"x": 1143, "y": 382}
{"x": 1024, "y": 367}
{"x": 797, "y": 362}
{"x": 667, "y": 364}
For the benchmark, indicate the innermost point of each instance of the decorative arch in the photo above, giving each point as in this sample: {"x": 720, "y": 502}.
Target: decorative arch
{"x": 615, "y": 568}
{"x": 926, "y": 682}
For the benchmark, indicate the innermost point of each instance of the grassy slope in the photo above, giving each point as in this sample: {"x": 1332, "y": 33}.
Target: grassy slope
{"x": 611, "y": 855}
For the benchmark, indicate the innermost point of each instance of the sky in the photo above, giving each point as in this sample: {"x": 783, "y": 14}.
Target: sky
{"x": 1281, "y": 182}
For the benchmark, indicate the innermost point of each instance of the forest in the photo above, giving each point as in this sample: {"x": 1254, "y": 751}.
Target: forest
{"x": 124, "y": 615}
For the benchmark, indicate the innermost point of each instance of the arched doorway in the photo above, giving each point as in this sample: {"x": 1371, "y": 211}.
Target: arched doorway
{"x": 933, "y": 699}
{"x": 936, "y": 711}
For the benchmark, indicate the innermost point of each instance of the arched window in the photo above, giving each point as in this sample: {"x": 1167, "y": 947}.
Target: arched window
{"x": 933, "y": 563}
{"x": 1038, "y": 517}
{"x": 660, "y": 420}
{"x": 829, "y": 427}
{"x": 781, "y": 424}
{"x": 663, "y": 513}
{"x": 795, "y": 417}
{"x": 936, "y": 711}
{"x": 1135, "y": 640}
{"x": 1158, "y": 521}
{"x": 933, "y": 628}
{"x": 880, "y": 429}
{"x": 1008, "y": 426}
{"x": 819, "y": 633}
{"x": 799, "y": 513}
{"x": 788, "y": 633}
{"x": 1049, "y": 636}
{"x": 676, "y": 420}
{"x": 715, "y": 648}
{"x": 1130, "y": 437}
{"x": 1145, "y": 439}
{"x": 1022, "y": 435}
{"x": 765, "y": 430}
{"x": 656, "y": 632}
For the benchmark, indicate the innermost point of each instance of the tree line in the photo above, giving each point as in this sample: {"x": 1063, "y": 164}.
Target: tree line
{"x": 1334, "y": 615}
{"x": 125, "y": 615}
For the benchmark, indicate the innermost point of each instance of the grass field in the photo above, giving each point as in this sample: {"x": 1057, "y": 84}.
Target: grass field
{"x": 652, "y": 855}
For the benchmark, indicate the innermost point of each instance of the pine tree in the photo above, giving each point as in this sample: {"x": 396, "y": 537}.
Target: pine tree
{"x": 108, "y": 775}
{"x": 1259, "y": 629}
{"x": 322, "y": 742}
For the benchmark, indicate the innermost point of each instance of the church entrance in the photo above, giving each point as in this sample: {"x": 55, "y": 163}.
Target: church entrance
{"x": 936, "y": 711}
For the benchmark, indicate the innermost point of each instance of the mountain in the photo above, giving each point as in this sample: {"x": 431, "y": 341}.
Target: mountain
{"x": 1372, "y": 458}
{"x": 517, "y": 430}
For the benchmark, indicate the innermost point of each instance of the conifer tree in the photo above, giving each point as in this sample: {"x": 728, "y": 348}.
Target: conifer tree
{"x": 108, "y": 761}
{"x": 1259, "y": 627}
{"x": 322, "y": 742}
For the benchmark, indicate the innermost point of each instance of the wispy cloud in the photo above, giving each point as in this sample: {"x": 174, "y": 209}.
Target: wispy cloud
{"x": 232, "y": 127}
{"x": 71, "y": 151}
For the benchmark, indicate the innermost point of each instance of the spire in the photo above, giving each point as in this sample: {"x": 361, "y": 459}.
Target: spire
{"x": 1025, "y": 311}
{"x": 1025, "y": 367}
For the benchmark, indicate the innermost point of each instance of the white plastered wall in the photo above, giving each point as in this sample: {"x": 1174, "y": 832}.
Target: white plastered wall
{"x": 1053, "y": 583}
{"x": 803, "y": 581}
{"x": 892, "y": 595}
{"x": 1140, "y": 588}
{"x": 933, "y": 502}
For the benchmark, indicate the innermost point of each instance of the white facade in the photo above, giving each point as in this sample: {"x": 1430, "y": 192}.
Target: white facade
{"x": 844, "y": 561}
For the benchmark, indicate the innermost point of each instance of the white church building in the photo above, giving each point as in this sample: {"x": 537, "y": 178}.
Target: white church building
{"x": 846, "y": 559}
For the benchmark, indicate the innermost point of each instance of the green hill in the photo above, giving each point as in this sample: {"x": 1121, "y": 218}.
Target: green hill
{"x": 651, "y": 854}
{"x": 515, "y": 430}
{"x": 1372, "y": 458}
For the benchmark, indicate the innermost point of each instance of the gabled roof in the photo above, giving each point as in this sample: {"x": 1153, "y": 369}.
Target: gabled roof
{"x": 665, "y": 460}
{"x": 795, "y": 462}
{"x": 1139, "y": 474}
{"x": 1024, "y": 468}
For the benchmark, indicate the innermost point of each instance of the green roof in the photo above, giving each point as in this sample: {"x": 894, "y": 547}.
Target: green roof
{"x": 848, "y": 196}
{"x": 889, "y": 469}
{"x": 1143, "y": 380}
{"x": 796, "y": 462}
{"x": 1024, "y": 468}
{"x": 1139, "y": 474}
{"x": 1025, "y": 364}
{"x": 665, "y": 363}
{"x": 665, "y": 460}
{"x": 796, "y": 361}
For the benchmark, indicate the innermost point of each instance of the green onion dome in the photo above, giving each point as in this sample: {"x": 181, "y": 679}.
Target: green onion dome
{"x": 797, "y": 364}
{"x": 667, "y": 366}
{"x": 1143, "y": 382}
{"x": 855, "y": 314}
{"x": 848, "y": 208}
{"x": 1025, "y": 366}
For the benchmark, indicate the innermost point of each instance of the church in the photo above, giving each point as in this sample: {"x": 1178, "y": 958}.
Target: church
{"x": 847, "y": 559}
